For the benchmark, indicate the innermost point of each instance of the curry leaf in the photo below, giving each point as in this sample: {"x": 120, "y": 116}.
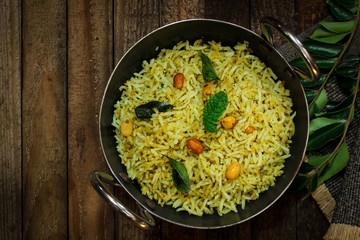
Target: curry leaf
{"x": 325, "y": 36}
{"x": 338, "y": 27}
{"x": 319, "y": 81}
{"x": 213, "y": 110}
{"x": 319, "y": 103}
{"x": 146, "y": 110}
{"x": 310, "y": 94}
{"x": 306, "y": 168}
{"x": 322, "y": 122}
{"x": 339, "y": 114}
{"x": 339, "y": 12}
{"x": 180, "y": 175}
{"x": 316, "y": 161}
{"x": 208, "y": 70}
{"x": 323, "y": 49}
{"x": 337, "y": 164}
{"x": 322, "y": 62}
{"x": 335, "y": 106}
{"x": 324, "y": 135}
{"x": 347, "y": 71}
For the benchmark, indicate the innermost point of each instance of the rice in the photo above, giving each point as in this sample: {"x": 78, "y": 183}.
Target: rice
{"x": 256, "y": 99}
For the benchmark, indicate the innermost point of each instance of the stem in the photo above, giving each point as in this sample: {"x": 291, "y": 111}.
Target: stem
{"x": 346, "y": 46}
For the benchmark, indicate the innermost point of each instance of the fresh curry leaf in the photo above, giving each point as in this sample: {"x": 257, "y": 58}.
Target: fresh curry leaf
{"x": 316, "y": 161}
{"x": 347, "y": 71}
{"x": 324, "y": 135}
{"x": 320, "y": 103}
{"x": 306, "y": 168}
{"x": 323, "y": 49}
{"x": 339, "y": 114}
{"x": 310, "y": 94}
{"x": 146, "y": 110}
{"x": 322, "y": 62}
{"x": 208, "y": 70}
{"x": 321, "y": 122}
{"x": 338, "y": 11}
{"x": 337, "y": 164}
{"x": 308, "y": 84}
{"x": 339, "y": 27}
{"x": 335, "y": 106}
{"x": 213, "y": 110}
{"x": 180, "y": 175}
{"x": 325, "y": 36}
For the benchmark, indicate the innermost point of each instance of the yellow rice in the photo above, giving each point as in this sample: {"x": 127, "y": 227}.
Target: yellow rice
{"x": 256, "y": 99}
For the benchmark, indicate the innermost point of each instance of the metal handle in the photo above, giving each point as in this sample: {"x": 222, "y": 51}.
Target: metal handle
{"x": 98, "y": 179}
{"x": 267, "y": 23}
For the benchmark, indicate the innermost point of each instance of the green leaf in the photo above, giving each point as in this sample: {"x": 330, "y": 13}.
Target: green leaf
{"x": 347, "y": 83}
{"x": 339, "y": 27}
{"x": 319, "y": 103}
{"x": 335, "y": 106}
{"x": 322, "y": 122}
{"x": 208, "y": 70}
{"x": 322, "y": 62}
{"x": 305, "y": 168}
{"x": 338, "y": 163}
{"x": 308, "y": 84}
{"x": 180, "y": 175}
{"x": 146, "y": 110}
{"x": 314, "y": 183}
{"x": 325, "y": 36}
{"x": 339, "y": 114}
{"x": 310, "y": 94}
{"x": 324, "y": 135}
{"x": 316, "y": 161}
{"x": 299, "y": 183}
{"x": 338, "y": 11}
{"x": 347, "y": 71}
{"x": 213, "y": 110}
{"x": 352, "y": 59}
{"x": 323, "y": 49}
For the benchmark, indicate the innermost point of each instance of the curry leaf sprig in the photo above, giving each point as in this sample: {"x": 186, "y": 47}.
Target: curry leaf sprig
{"x": 330, "y": 120}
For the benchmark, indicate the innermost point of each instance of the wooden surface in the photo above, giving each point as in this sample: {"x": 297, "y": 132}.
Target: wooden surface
{"x": 55, "y": 60}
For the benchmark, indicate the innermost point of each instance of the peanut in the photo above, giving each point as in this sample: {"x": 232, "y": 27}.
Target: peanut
{"x": 207, "y": 89}
{"x": 178, "y": 80}
{"x": 233, "y": 171}
{"x": 195, "y": 145}
{"x": 249, "y": 129}
{"x": 126, "y": 128}
{"x": 228, "y": 122}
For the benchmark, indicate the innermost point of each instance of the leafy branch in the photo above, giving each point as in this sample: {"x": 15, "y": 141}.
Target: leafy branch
{"x": 330, "y": 120}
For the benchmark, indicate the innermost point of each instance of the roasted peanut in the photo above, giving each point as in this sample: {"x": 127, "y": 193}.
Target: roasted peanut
{"x": 228, "y": 122}
{"x": 233, "y": 171}
{"x": 195, "y": 145}
{"x": 249, "y": 129}
{"x": 126, "y": 128}
{"x": 207, "y": 89}
{"x": 178, "y": 80}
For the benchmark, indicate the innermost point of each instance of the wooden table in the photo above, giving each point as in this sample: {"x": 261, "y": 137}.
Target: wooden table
{"x": 56, "y": 57}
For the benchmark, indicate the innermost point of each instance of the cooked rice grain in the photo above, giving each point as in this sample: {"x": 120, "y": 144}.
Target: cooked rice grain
{"x": 255, "y": 99}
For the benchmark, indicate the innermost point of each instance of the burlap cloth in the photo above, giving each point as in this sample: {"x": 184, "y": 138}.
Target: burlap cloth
{"x": 339, "y": 197}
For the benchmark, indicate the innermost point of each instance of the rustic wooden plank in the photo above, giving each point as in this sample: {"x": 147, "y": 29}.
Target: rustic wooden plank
{"x": 171, "y": 11}
{"x": 10, "y": 121}
{"x": 308, "y": 13}
{"x": 44, "y": 120}
{"x": 231, "y": 11}
{"x": 89, "y": 67}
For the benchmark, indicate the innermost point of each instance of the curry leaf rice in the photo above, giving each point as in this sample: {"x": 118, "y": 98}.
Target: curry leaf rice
{"x": 226, "y": 168}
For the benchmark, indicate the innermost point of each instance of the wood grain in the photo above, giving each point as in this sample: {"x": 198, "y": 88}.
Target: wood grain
{"x": 10, "y": 121}
{"x": 89, "y": 67}
{"x": 44, "y": 120}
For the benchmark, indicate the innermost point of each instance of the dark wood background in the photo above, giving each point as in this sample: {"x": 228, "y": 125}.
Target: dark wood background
{"x": 55, "y": 60}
